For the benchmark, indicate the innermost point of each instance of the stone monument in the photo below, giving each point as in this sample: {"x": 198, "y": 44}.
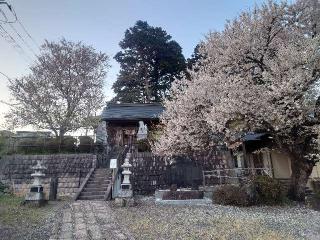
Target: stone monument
{"x": 142, "y": 132}
{"x": 36, "y": 195}
{"x": 102, "y": 135}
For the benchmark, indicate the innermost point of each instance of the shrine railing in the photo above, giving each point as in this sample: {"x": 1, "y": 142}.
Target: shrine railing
{"x": 232, "y": 175}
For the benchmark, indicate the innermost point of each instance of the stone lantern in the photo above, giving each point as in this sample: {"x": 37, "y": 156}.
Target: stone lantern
{"x": 36, "y": 195}
{"x": 126, "y": 185}
{"x": 125, "y": 195}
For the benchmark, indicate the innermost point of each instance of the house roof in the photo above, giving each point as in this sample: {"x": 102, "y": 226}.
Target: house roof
{"x": 132, "y": 111}
{"x": 253, "y": 136}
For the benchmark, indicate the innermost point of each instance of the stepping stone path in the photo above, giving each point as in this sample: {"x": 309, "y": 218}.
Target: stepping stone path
{"x": 88, "y": 220}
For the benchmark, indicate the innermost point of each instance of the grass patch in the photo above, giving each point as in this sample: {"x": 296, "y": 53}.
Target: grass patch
{"x": 13, "y": 214}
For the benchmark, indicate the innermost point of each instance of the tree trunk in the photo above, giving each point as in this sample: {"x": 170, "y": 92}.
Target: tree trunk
{"x": 301, "y": 170}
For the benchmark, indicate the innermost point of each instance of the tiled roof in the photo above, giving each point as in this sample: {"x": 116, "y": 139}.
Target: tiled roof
{"x": 132, "y": 111}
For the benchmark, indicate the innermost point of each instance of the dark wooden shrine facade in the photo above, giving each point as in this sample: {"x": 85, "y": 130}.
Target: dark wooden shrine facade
{"x": 150, "y": 172}
{"x": 123, "y": 121}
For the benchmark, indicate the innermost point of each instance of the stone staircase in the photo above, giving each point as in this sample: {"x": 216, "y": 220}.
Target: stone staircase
{"x": 97, "y": 185}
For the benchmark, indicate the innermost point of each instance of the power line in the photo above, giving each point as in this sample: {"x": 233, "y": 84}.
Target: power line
{"x": 15, "y": 30}
{"x": 10, "y": 8}
{"x": 13, "y": 42}
{"x": 22, "y": 26}
{"x": 22, "y": 39}
{"x": 28, "y": 34}
{"x": 5, "y": 75}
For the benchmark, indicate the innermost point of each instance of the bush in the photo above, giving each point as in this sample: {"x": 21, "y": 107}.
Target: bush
{"x": 231, "y": 195}
{"x": 67, "y": 145}
{"x": 52, "y": 145}
{"x": 4, "y": 189}
{"x": 143, "y": 145}
{"x": 182, "y": 195}
{"x": 313, "y": 201}
{"x": 268, "y": 190}
{"x": 30, "y": 146}
{"x": 86, "y": 144}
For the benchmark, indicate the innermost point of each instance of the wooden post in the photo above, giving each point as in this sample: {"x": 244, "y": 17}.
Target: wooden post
{"x": 203, "y": 180}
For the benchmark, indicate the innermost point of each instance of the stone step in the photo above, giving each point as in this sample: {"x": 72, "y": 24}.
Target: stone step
{"x": 93, "y": 193}
{"x": 99, "y": 177}
{"x": 106, "y": 182}
{"x": 101, "y": 173}
{"x": 102, "y": 170}
{"x": 92, "y": 197}
{"x": 95, "y": 185}
{"x": 91, "y": 189}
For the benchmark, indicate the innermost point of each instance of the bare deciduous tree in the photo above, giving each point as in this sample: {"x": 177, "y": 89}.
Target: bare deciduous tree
{"x": 63, "y": 90}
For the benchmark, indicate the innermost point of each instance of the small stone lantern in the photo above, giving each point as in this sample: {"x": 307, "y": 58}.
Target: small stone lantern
{"x": 36, "y": 195}
{"x": 126, "y": 185}
{"x": 125, "y": 195}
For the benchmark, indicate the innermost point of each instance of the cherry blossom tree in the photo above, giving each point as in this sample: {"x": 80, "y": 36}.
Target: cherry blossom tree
{"x": 255, "y": 77}
{"x": 63, "y": 91}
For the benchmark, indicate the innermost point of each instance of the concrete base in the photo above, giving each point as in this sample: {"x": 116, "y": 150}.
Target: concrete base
{"x": 35, "y": 199}
{"x": 191, "y": 202}
{"x": 124, "y": 202}
{"x": 125, "y": 193}
{"x": 186, "y": 194}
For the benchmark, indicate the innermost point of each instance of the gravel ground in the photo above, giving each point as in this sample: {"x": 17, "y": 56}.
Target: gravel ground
{"x": 21, "y": 222}
{"x": 148, "y": 221}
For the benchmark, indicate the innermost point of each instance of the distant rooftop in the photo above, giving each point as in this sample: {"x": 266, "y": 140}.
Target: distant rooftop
{"x": 132, "y": 111}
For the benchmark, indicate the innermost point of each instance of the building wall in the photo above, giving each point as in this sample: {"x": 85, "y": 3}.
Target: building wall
{"x": 69, "y": 170}
{"x": 118, "y": 135}
{"x": 281, "y": 165}
{"x": 316, "y": 171}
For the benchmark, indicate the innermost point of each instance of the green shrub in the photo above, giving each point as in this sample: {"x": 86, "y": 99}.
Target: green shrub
{"x": 86, "y": 144}
{"x": 231, "y": 195}
{"x": 55, "y": 145}
{"x": 143, "y": 145}
{"x": 4, "y": 189}
{"x": 268, "y": 190}
{"x": 52, "y": 145}
{"x": 68, "y": 144}
{"x": 30, "y": 146}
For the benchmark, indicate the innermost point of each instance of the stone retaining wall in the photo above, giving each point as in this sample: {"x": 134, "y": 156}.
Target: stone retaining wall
{"x": 68, "y": 170}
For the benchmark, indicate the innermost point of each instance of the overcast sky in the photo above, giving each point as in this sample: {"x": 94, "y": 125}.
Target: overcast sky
{"x": 102, "y": 23}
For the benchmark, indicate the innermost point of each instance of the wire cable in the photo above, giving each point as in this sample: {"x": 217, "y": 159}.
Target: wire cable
{"x": 5, "y": 75}
{"x": 28, "y": 34}
{"x": 20, "y": 23}
{"x": 6, "y": 18}
{"x": 15, "y": 30}
{"x": 22, "y": 39}
{"x": 13, "y": 42}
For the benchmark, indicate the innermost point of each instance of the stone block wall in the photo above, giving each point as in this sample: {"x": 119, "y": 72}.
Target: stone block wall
{"x": 149, "y": 172}
{"x": 68, "y": 170}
